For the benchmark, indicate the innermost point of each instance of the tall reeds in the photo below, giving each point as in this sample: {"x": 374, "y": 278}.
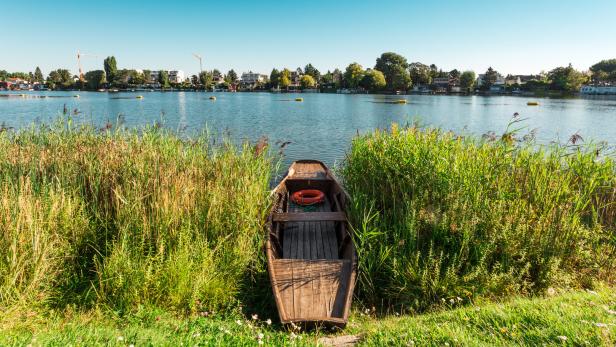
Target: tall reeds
{"x": 441, "y": 217}
{"x": 125, "y": 218}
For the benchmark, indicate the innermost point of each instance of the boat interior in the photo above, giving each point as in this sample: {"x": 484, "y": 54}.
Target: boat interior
{"x": 311, "y": 253}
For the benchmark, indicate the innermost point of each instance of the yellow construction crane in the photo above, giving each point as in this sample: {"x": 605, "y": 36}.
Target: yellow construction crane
{"x": 79, "y": 55}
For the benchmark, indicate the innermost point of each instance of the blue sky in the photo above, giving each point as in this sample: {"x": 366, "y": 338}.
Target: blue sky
{"x": 519, "y": 36}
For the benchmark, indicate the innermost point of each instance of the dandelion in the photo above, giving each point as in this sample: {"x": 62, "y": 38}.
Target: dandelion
{"x": 268, "y": 321}
{"x": 562, "y": 338}
{"x": 255, "y": 316}
{"x": 120, "y": 338}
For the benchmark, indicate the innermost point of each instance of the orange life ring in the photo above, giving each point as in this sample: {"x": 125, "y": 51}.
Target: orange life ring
{"x": 308, "y": 197}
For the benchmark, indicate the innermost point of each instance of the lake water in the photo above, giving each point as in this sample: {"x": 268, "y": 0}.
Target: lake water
{"x": 322, "y": 126}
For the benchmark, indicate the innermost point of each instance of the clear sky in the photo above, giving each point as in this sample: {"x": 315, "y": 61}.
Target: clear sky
{"x": 519, "y": 37}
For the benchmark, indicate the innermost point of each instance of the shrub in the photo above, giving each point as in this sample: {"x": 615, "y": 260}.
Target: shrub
{"x": 439, "y": 216}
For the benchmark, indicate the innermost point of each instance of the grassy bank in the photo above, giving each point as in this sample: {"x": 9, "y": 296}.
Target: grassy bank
{"x": 140, "y": 237}
{"x": 441, "y": 218}
{"x": 118, "y": 220}
{"x": 585, "y": 318}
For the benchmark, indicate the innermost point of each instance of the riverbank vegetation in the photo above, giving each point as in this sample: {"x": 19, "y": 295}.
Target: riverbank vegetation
{"x": 445, "y": 218}
{"x": 121, "y": 220}
{"x": 135, "y": 237}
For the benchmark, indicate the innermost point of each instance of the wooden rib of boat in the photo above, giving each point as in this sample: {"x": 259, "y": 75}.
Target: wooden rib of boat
{"x": 310, "y": 253}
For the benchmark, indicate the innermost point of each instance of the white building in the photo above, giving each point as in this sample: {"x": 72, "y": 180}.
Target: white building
{"x": 251, "y": 79}
{"x": 176, "y": 76}
{"x": 598, "y": 90}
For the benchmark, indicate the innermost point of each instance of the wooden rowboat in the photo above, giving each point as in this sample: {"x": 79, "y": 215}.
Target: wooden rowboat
{"x": 310, "y": 253}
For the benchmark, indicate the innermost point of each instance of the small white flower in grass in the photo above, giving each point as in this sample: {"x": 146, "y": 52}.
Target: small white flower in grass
{"x": 293, "y": 336}
{"x": 458, "y": 298}
{"x": 255, "y": 316}
{"x": 131, "y": 345}
{"x": 120, "y": 338}
{"x": 601, "y": 325}
{"x": 260, "y": 336}
{"x": 562, "y": 338}
{"x": 260, "y": 342}
{"x": 268, "y": 321}
{"x": 452, "y": 301}
{"x": 238, "y": 322}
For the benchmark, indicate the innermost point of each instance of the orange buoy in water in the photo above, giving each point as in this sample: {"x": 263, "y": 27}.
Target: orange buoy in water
{"x": 308, "y": 197}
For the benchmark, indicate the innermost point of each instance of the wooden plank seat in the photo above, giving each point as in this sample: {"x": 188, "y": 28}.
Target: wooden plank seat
{"x": 310, "y": 217}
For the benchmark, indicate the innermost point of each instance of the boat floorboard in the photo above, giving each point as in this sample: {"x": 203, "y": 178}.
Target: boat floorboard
{"x": 312, "y": 289}
{"x": 310, "y": 240}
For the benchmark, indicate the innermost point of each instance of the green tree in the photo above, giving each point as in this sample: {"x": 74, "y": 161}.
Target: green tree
{"x": 391, "y": 65}
{"x": 373, "y": 80}
{"x": 95, "y": 79}
{"x": 206, "y": 78}
{"x": 38, "y": 75}
{"x": 275, "y": 78}
{"x": 420, "y": 73}
{"x": 60, "y": 78}
{"x": 313, "y": 72}
{"x": 231, "y": 77}
{"x": 137, "y": 78}
{"x": 285, "y": 78}
{"x": 111, "y": 68}
{"x": 163, "y": 78}
{"x": 194, "y": 79}
{"x": 566, "y": 79}
{"x": 467, "y": 80}
{"x": 307, "y": 81}
{"x": 353, "y": 75}
{"x": 604, "y": 71}
{"x": 3, "y": 75}
{"x": 489, "y": 78}
{"x": 401, "y": 78}
{"x": 433, "y": 71}
{"x": 147, "y": 76}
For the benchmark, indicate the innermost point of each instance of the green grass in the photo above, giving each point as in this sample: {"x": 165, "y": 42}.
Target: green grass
{"x": 440, "y": 216}
{"x": 122, "y": 219}
{"x": 584, "y": 318}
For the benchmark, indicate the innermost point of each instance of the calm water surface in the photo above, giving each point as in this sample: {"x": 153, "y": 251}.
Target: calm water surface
{"x": 322, "y": 126}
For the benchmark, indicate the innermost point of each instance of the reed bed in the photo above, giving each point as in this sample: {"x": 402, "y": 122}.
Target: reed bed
{"x": 124, "y": 219}
{"x": 442, "y": 219}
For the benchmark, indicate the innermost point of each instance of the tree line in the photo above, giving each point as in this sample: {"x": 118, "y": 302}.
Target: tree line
{"x": 392, "y": 72}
